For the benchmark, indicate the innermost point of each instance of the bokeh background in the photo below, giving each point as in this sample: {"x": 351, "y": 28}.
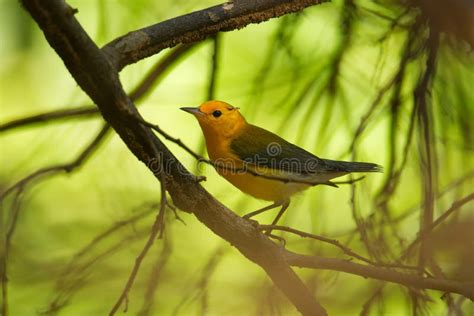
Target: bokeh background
{"x": 312, "y": 78}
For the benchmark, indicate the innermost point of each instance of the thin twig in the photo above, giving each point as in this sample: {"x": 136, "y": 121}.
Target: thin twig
{"x": 281, "y": 38}
{"x": 211, "y": 90}
{"x": 375, "y": 104}
{"x": 396, "y": 83}
{"x": 333, "y": 242}
{"x": 371, "y": 300}
{"x": 381, "y": 273}
{"x": 157, "y": 72}
{"x": 68, "y": 167}
{"x": 425, "y": 233}
{"x": 177, "y": 141}
{"x": 65, "y": 287}
{"x": 428, "y": 151}
{"x": 154, "y": 277}
{"x": 74, "y": 268}
{"x": 78, "y": 278}
{"x": 52, "y": 116}
{"x": 157, "y": 228}
{"x": 200, "y": 287}
{"x": 350, "y": 181}
{"x": 410, "y": 211}
{"x": 5, "y": 251}
{"x": 396, "y": 79}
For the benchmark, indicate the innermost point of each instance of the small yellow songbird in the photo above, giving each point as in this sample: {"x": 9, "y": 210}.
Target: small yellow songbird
{"x": 261, "y": 163}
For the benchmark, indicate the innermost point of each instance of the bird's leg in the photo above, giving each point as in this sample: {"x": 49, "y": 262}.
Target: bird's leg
{"x": 266, "y": 208}
{"x": 284, "y": 207}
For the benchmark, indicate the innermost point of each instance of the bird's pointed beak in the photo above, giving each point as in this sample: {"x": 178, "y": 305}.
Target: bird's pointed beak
{"x": 194, "y": 111}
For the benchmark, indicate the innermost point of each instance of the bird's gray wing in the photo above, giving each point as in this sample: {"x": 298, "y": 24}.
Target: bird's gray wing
{"x": 262, "y": 148}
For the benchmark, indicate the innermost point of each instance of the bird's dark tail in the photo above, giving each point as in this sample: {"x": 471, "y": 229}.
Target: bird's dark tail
{"x": 347, "y": 166}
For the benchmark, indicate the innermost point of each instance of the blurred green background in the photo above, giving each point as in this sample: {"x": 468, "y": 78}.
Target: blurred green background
{"x": 309, "y": 77}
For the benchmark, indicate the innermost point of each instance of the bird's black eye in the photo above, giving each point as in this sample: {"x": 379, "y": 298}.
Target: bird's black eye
{"x": 216, "y": 113}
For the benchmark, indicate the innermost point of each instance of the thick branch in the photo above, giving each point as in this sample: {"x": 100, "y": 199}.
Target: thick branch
{"x": 196, "y": 26}
{"x": 99, "y": 79}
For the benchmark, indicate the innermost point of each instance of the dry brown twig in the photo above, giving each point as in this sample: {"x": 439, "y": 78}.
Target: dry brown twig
{"x": 200, "y": 288}
{"x": 336, "y": 243}
{"x": 155, "y": 276}
{"x": 157, "y": 229}
{"x": 456, "y": 206}
{"x": 74, "y": 275}
{"x": 6, "y": 245}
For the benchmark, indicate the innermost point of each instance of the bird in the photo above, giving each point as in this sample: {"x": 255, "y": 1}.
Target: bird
{"x": 261, "y": 163}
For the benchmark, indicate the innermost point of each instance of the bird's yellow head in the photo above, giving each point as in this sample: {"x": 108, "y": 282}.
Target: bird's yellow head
{"x": 218, "y": 119}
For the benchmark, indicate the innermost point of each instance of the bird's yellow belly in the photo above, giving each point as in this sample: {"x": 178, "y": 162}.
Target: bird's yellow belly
{"x": 262, "y": 188}
{"x": 254, "y": 185}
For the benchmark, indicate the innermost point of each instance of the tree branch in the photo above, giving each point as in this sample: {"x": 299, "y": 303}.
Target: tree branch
{"x": 336, "y": 243}
{"x": 425, "y": 234}
{"x": 196, "y": 26}
{"x": 381, "y": 273}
